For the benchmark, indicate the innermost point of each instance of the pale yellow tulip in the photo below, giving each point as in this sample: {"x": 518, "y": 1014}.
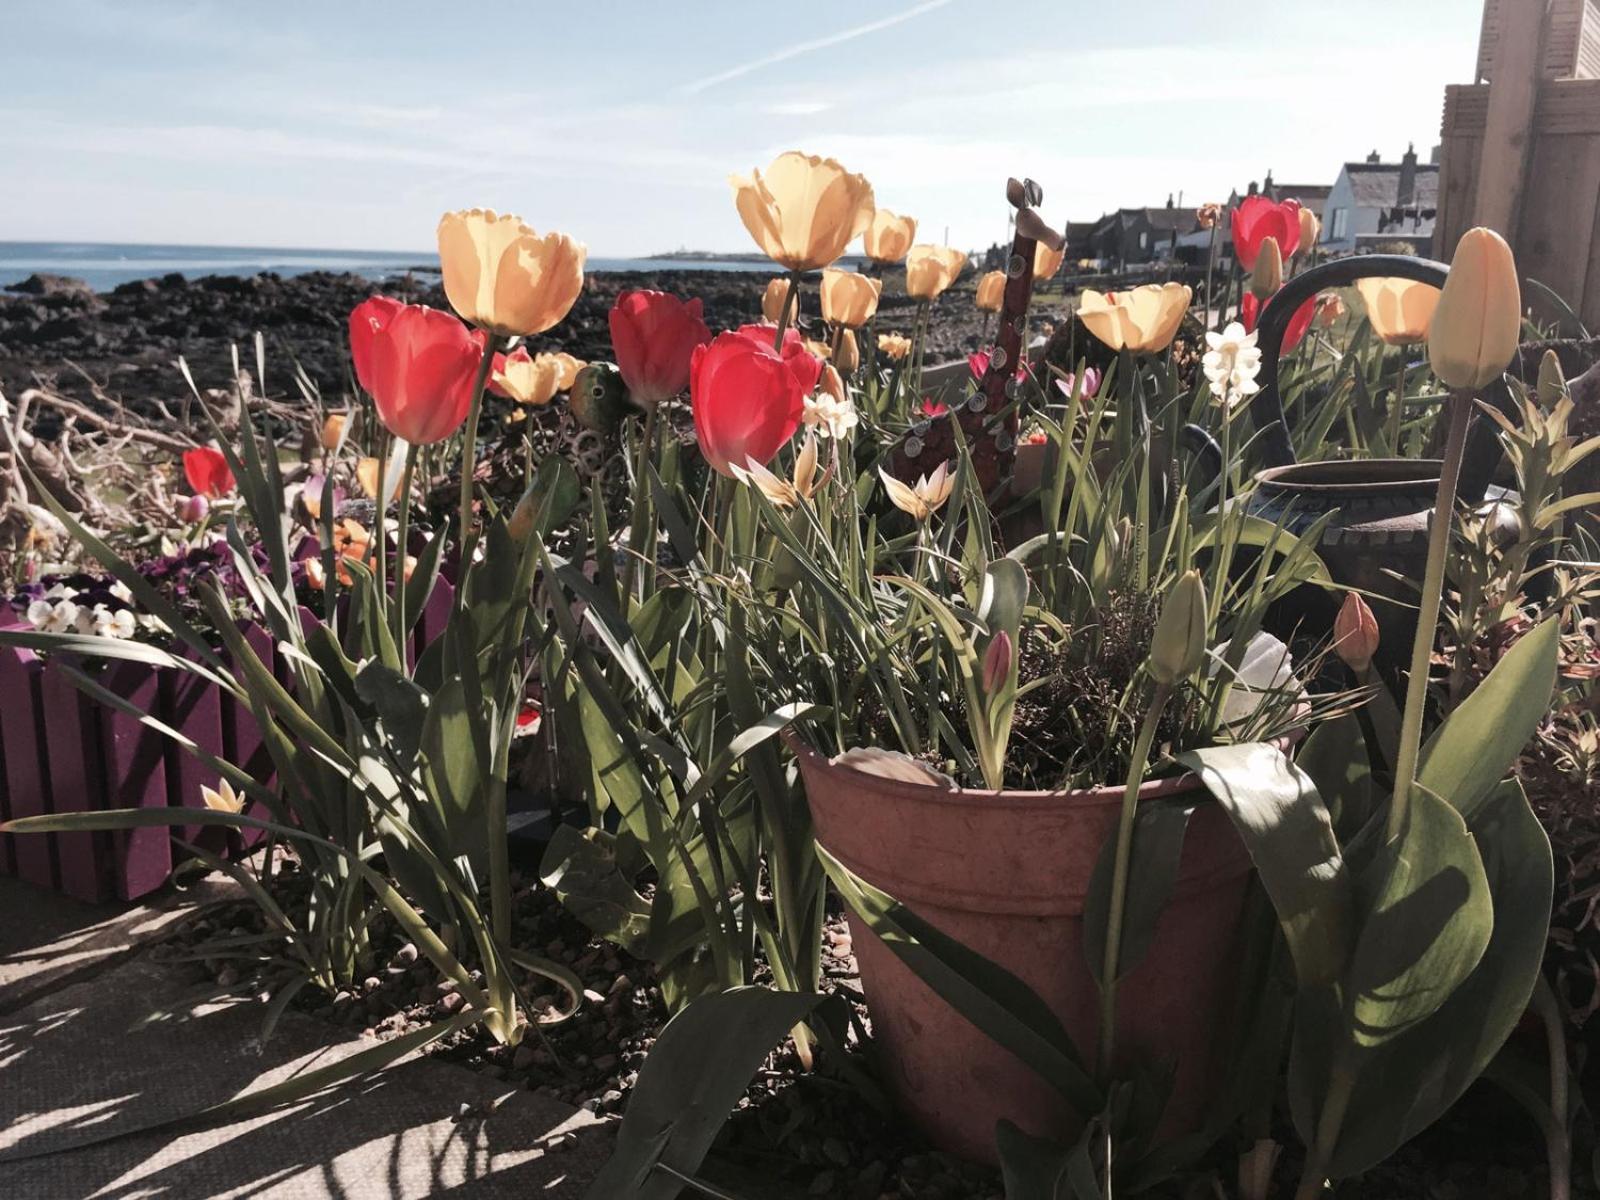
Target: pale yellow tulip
{"x": 888, "y": 237}
{"x": 1046, "y": 262}
{"x": 772, "y": 300}
{"x": 532, "y": 381}
{"x": 1143, "y": 319}
{"x": 923, "y": 498}
{"x": 848, "y": 297}
{"x": 1400, "y": 310}
{"x": 332, "y": 431}
{"x": 849, "y": 357}
{"x": 991, "y": 291}
{"x": 894, "y": 345}
{"x": 931, "y": 269}
{"x": 503, "y": 277}
{"x": 1478, "y": 321}
{"x": 805, "y": 210}
{"x": 1310, "y": 229}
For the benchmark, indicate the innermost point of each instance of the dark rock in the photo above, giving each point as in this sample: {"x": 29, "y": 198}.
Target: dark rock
{"x": 51, "y": 285}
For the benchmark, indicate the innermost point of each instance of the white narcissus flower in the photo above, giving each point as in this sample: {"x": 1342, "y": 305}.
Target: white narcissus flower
{"x": 1232, "y": 361}
{"x": 1265, "y": 670}
{"x": 831, "y": 416}
{"x": 925, "y": 497}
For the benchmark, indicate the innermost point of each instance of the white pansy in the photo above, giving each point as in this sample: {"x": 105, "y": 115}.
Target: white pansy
{"x": 122, "y": 592}
{"x": 119, "y": 624}
{"x": 59, "y": 616}
{"x": 829, "y": 415}
{"x": 1266, "y": 670}
{"x": 1231, "y": 363}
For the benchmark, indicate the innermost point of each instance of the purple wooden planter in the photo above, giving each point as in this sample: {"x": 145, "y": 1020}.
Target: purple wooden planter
{"x": 60, "y": 751}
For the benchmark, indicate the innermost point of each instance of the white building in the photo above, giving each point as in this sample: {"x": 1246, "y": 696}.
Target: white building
{"x": 1375, "y": 201}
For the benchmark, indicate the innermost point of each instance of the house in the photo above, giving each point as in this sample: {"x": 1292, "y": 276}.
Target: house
{"x": 1374, "y": 202}
{"x": 1132, "y": 236}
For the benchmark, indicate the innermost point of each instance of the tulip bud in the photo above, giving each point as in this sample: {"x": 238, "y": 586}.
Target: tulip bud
{"x": 1476, "y": 325}
{"x": 1267, "y": 277}
{"x": 332, "y": 431}
{"x": 1552, "y": 380}
{"x": 1310, "y": 228}
{"x": 193, "y": 509}
{"x": 849, "y": 356}
{"x": 520, "y": 526}
{"x": 1355, "y": 633}
{"x": 997, "y": 662}
{"x": 1179, "y": 646}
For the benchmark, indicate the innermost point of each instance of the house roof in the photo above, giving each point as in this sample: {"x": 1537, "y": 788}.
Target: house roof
{"x": 1377, "y": 185}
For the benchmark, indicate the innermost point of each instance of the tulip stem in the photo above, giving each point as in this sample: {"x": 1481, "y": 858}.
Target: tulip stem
{"x": 381, "y": 531}
{"x": 469, "y": 451}
{"x": 403, "y": 535}
{"x": 1444, "y": 508}
{"x": 641, "y": 525}
{"x": 791, "y": 301}
{"x": 1119, "y": 876}
{"x": 1397, "y": 417}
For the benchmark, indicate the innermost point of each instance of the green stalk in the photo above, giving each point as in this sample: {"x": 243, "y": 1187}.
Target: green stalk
{"x": 1329, "y": 1123}
{"x": 1397, "y": 417}
{"x": 641, "y": 524}
{"x": 469, "y": 449}
{"x": 791, "y": 304}
{"x": 1119, "y": 876}
{"x": 381, "y": 533}
{"x": 404, "y": 534}
{"x": 1444, "y": 508}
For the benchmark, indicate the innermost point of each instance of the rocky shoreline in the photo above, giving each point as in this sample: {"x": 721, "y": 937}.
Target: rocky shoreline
{"x": 125, "y": 343}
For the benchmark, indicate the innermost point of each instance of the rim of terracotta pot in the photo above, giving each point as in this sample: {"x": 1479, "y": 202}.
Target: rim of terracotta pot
{"x": 1345, "y": 476}
{"x": 1102, "y": 795}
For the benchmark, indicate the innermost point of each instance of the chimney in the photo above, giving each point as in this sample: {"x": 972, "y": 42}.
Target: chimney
{"x": 1253, "y": 188}
{"x": 1373, "y": 157}
{"x": 1266, "y": 185}
{"x": 1407, "y": 190}
{"x": 1169, "y": 199}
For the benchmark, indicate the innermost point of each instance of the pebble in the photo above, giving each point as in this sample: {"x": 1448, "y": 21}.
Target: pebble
{"x": 404, "y": 956}
{"x": 451, "y": 1002}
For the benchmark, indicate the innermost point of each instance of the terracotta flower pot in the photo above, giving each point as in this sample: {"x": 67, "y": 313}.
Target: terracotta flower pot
{"x": 1006, "y": 874}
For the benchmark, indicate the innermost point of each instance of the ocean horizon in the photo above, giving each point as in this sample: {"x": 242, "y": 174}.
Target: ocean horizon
{"x": 104, "y": 265}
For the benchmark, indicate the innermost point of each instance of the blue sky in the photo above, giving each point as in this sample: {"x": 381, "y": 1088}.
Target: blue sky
{"x": 354, "y": 124}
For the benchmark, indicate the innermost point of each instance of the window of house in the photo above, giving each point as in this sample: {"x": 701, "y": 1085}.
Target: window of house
{"x": 1144, "y": 240}
{"x": 1339, "y": 229}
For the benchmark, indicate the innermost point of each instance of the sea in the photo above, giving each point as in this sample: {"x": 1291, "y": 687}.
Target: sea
{"x": 103, "y": 265}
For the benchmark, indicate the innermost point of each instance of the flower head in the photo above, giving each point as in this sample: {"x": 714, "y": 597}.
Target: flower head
{"x": 804, "y": 210}
{"x": 503, "y": 277}
{"x": 1142, "y": 319}
{"x": 888, "y": 236}
{"x": 1399, "y": 310}
{"x": 206, "y": 469}
{"x": 894, "y": 346}
{"x": 786, "y": 493}
{"x": 931, "y": 269}
{"x": 747, "y": 396}
{"x": 991, "y": 292}
{"x": 848, "y": 297}
{"x": 923, "y": 498}
{"x": 418, "y": 364}
{"x": 654, "y": 335}
{"x": 830, "y": 414}
{"x": 1231, "y": 364}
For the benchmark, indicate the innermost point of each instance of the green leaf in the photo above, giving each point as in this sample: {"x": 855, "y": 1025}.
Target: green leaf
{"x": 985, "y": 993}
{"x": 1036, "y": 1168}
{"x": 1286, "y": 828}
{"x": 1467, "y": 756}
{"x": 447, "y": 744}
{"x": 402, "y": 706}
{"x": 1158, "y": 833}
{"x": 1335, "y": 757}
{"x": 580, "y": 866}
{"x": 1426, "y": 919}
{"x": 697, "y": 1070}
{"x": 1410, "y": 1081}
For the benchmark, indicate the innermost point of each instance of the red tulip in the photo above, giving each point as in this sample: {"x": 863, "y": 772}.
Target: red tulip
{"x": 1250, "y": 310}
{"x": 748, "y": 398}
{"x": 1257, "y": 218}
{"x": 653, "y": 335}
{"x": 932, "y": 408}
{"x": 207, "y": 472}
{"x": 418, "y": 363}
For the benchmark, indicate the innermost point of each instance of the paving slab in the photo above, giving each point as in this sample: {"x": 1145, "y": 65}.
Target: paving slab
{"x": 130, "y": 1044}
{"x": 48, "y": 939}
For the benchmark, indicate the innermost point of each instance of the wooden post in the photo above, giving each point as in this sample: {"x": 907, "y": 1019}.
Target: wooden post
{"x": 1508, "y": 134}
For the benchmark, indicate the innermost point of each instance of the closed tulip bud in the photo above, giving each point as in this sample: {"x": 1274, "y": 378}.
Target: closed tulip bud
{"x": 1476, "y": 325}
{"x": 849, "y": 298}
{"x": 207, "y": 471}
{"x": 193, "y": 509}
{"x": 1330, "y": 307}
{"x": 1310, "y": 228}
{"x": 931, "y": 269}
{"x": 1179, "y": 646}
{"x": 772, "y": 300}
{"x": 521, "y": 524}
{"x": 1552, "y": 380}
{"x": 888, "y": 237}
{"x": 1046, "y": 262}
{"x": 1207, "y": 215}
{"x": 1266, "y": 277}
{"x": 805, "y": 210}
{"x": 849, "y": 356}
{"x": 997, "y": 662}
{"x": 503, "y": 277}
{"x": 991, "y": 291}
{"x": 1355, "y": 633}
{"x": 333, "y": 431}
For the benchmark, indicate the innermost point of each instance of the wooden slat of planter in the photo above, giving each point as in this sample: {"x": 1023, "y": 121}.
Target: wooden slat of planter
{"x": 247, "y": 748}
{"x": 77, "y": 782}
{"x": 192, "y": 706}
{"x": 27, "y": 780}
{"x": 136, "y": 778}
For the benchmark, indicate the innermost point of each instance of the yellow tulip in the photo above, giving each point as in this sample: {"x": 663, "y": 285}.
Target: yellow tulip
{"x": 570, "y": 366}
{"x": 1400, "y": 310}
{"x": 991, "y": 291}
{"x": 894, "y": 346}
{"x": 367, "y": 471}
{"x": 332, "y": 431}
{"x": 772, "y": 300}
{"x": 1267, "y": 275}
{"x": 1478, "y": 321}
{"x": 888, "y": 237}
{"x": 503, "y": 277}
{"x": 530, "y": 380}
{"x": 1142, "y": 319}
{"x": 1330, "y": 307}
{"x": 923, "y": 498}
{"x": 1310, "y": 229}
{"x": 848, "y": 297}
{"x": 805, "y": 210}
{"x": 931, "y": 269}
{"x": 849, "y": 353}
{"x": 1046, "y": 262}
